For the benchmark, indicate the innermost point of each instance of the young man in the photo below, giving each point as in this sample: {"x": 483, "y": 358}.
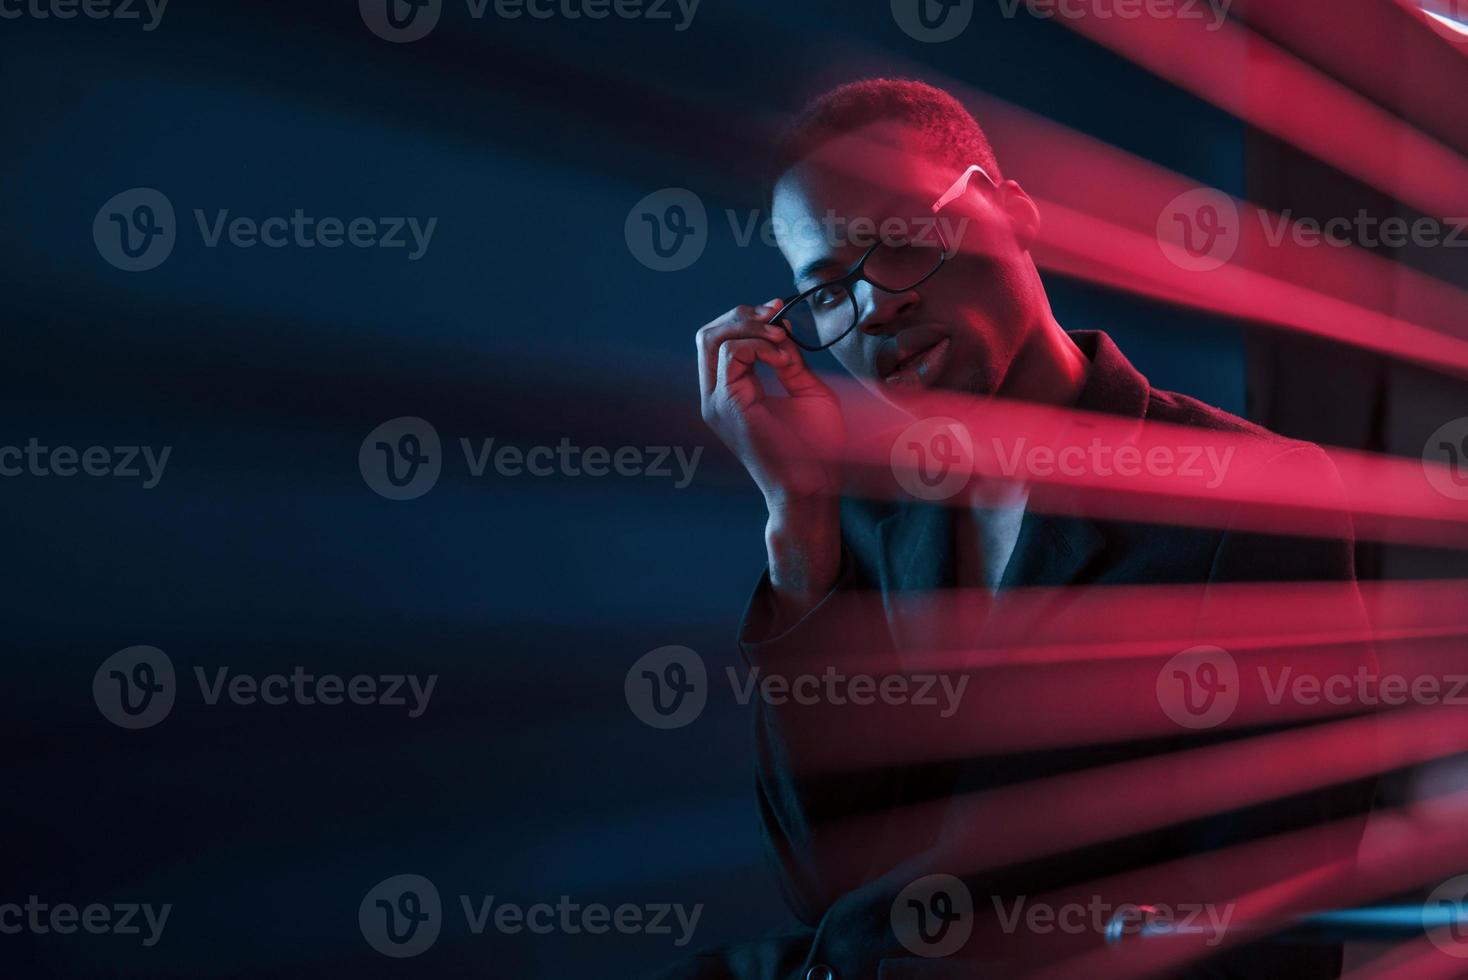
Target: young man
{"x": 970, "y": 318}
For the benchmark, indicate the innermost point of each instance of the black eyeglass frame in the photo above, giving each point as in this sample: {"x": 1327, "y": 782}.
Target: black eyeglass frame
{"x": 847, "y": 280}
{"x": 854, "y": 274}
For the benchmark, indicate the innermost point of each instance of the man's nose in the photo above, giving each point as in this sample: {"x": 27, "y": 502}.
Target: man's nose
{"x": 882, "y": 312}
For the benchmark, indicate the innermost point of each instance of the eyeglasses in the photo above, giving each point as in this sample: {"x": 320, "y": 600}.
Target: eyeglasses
{"x": 823, "y": 315}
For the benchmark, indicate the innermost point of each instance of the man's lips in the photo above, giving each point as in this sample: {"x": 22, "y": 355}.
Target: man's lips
{"x": 918, "y": 365}
{"x": 903, "y": 347}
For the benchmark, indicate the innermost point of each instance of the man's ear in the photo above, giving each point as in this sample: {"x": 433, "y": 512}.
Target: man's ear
{"x": 1024, "y": 214}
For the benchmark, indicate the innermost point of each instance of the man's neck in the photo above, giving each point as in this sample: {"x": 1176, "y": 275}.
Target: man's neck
{"x": 1049, "y": 369}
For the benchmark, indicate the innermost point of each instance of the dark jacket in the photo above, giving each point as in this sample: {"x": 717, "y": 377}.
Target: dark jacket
{"x": 848, "y": 838}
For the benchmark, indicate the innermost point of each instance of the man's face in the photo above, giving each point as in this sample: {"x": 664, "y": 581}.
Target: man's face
{"x": 957, "y": 331}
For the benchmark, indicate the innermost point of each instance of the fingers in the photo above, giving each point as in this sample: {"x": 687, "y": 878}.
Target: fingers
{"x": 741, "y": 322}
{"x": 737, "y": 380}
{"x": 795, "y": 376}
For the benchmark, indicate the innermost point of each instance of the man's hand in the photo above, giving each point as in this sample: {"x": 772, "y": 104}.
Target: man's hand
{"x": 786, "y": 443}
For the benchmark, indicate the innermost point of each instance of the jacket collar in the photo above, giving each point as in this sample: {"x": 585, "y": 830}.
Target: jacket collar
{"x": 1113, "y": 386}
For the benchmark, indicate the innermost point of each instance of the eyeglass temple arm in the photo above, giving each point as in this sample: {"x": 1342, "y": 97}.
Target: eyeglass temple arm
{"x": 959, "y": 186}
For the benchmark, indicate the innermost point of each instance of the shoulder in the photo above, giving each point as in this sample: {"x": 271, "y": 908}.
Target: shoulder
{"x": 1179, "y": 409}
{"x": 1260, "y": 445}
{"x": 1114, "y": 386}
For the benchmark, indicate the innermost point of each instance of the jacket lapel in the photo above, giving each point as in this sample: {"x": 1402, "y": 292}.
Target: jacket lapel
{"x": 917, "y": 574}
{"x": 916, "y": 569}
{"x": 1055, "y": 543}
{"x": 1051, "y": 551}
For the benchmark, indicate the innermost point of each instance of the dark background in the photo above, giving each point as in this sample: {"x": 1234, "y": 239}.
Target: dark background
{"x": 528, "y": 320}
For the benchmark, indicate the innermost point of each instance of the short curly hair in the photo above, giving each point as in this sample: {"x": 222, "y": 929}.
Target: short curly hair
{"x": 948, "y": 130}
